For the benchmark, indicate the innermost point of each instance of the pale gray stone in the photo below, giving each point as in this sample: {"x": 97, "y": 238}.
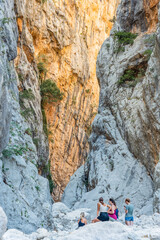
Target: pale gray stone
{"x": 14, "y": 234}
{"x": 24, "y": 195}
{"x": 3, "y": 222}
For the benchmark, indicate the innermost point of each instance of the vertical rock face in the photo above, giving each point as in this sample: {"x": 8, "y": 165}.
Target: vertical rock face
{"x": 135, "y": 105}
{"x": 8, "y": 52}
{"x": 66, "y": 36}
{"x": 127, "y": 129}
{"x": 24, "y": 195}
{"x": 139, "y": 16}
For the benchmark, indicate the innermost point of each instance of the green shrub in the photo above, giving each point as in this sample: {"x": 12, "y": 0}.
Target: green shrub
{"x": 37, "y": 188}
{"x": 35, "y": 141}
{"x": 6, "y": 20}
{"x": 133, "y": 76}
{"x": 148, "y": 53}
{"x": 108, "y": 46}
{"x": 51, "y": 183}
{"x": 50, "y": 92}
{"x": 87, "y": 90}
{"x": 129, "y": 75}
{"x": 42, "y": 61}
{"x": 26, "y": 94}
{"x": 124, "y": 38}
{"x": 48, "y": 175}
{"x": 41, "y": 67}
{"x": 14, "y": 150}
{"x": 45, "y": 127}
{"x": 26, "y": 112}
{"x": 45, "y": 124}
{"x": 20, "y": 77}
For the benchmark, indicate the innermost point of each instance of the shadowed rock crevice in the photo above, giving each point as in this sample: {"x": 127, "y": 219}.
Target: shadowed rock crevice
{"x": 138, "y": 16}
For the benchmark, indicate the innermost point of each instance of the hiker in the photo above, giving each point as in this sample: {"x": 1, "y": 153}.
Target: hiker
{"x": 112, "y": 210}
{"x": 82, "y": 221}
{"x": 102, "y": 214}
{"x": 129, "y": 212}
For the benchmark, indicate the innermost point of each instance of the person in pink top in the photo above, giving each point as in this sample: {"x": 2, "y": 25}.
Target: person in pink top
{"x": 112, "y": 209}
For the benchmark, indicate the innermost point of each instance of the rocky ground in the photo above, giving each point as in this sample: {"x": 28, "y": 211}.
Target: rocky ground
{"x": 65, "y": 227}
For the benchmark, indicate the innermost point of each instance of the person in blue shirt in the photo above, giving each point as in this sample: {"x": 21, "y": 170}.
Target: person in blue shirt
{"x": 129, "y": 212}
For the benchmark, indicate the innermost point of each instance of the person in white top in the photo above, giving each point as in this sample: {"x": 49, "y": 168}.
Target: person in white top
{"x": 102, "y": 214}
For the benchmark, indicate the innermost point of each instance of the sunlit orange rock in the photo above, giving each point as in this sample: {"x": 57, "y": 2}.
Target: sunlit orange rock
{"x": 69, "y": 34}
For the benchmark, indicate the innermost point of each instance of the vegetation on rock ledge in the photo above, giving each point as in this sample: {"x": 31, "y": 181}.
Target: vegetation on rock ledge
{"x": 26, "y": 94}
{"x": 132, "y": 76}
{"x": 48, "y": 175}
{"x": 124, "y": 38}
{"x": 50, "y": 92}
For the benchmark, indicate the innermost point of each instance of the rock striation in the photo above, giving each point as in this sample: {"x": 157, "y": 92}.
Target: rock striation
{"x": 125, "y": 140}
{"x": 65, "y": 36}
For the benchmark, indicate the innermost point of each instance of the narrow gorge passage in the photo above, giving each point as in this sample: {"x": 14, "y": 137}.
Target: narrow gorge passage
{"x": 79, "y": 117}
{"x": 62, "y": 40}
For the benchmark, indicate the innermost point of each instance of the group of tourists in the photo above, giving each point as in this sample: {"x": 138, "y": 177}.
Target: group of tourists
{"x": 109, "y": 212}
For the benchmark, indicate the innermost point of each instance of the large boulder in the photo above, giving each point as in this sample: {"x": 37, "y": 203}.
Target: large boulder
{"x": 112, "y": 231}
{"x": 65, "y": 219}
{"x": 14, "y": 234}
{"x": 42, "y": 233}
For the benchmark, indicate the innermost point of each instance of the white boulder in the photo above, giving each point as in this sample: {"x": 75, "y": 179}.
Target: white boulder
{"x": 65, "y": 219}
{"x": 41, "y": 233}
{"x": 112, "y": 231}
{"x": 14, "y": 234}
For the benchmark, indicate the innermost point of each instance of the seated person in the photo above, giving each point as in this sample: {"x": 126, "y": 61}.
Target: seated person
{"x": 102, "y": 214}
{"x": 82, "y": 221}
{"x": 112, "y": 209}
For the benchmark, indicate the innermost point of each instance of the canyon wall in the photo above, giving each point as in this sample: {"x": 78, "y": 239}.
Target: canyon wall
{"x": 24, "y": 195}
{"x": 125, "y": 142}
{"x": 65, "y": 36}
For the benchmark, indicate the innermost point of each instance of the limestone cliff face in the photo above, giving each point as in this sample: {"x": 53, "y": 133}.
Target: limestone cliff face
{"x": 24, "y": 195}
{"x": 67, "y": 36}
{"x": 8, "y": 52}
{"x": 138, "y": 16}
{"x": 128, "y": 122}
